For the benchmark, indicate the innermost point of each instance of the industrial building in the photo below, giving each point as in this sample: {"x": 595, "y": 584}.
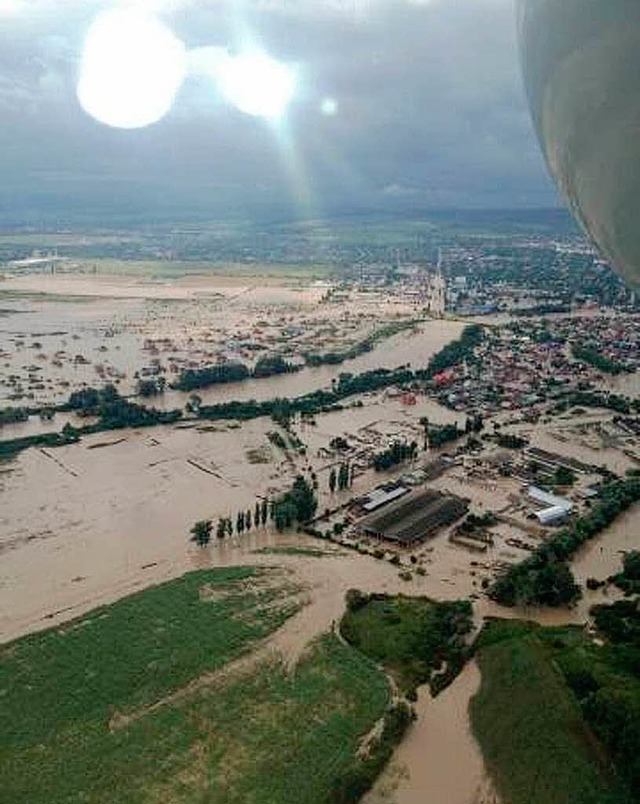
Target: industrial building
{"x": 414, "y": 518}
{"x": 382, "y": 496}
{"x": 555, "y": 509}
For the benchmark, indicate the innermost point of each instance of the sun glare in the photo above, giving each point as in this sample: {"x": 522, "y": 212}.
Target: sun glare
{"x": 257, "y": 84}
{"x": 131, "y": 69}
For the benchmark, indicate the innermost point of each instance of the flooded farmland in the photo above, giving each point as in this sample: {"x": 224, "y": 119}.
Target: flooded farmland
{"x": 88, "y": 523}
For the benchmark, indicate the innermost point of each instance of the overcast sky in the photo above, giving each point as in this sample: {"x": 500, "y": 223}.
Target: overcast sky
{"x": 427, "y": 99}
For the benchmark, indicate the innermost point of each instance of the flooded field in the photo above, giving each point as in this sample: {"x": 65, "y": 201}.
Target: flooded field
{"x": 58, "y": 334}
{"x": 88, "y": 523}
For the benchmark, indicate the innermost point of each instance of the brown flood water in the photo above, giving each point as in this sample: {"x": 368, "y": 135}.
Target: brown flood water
{"x": 439, "y": 762}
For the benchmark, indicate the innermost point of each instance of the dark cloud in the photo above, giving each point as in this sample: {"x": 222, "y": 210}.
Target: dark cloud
{"x": 430, "y": 112}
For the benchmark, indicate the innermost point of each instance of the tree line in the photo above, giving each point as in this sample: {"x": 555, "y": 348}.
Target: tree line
{"x": 545, "y": 577}
{"x": 342, "y": 478}
{"x": 591, "y": 356}
{"x": 114, "y": 411}
{"x": 233, "y": 371}
{"x": 296, "y": 505}
{"x": 359, "y": 348}
{"x": 397, "y": 453}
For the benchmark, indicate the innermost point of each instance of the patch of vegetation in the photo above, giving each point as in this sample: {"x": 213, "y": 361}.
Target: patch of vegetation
{"x": 270, "y": 365}
{"x": 13, "y": 415}
{"x": 259, "y": 455}
{"x": 397, "y": 453}
{"x": 629, "y": 579}
{"x": 296, "y": 505}
{"x": 13, "y": 446}
{"x": 361, "y": 347}
{"x": 63, "y": 687}
{"x": 277, "y": 439}
{"x": 360, "y": 776}
{"x": 510, "y": 441}
{"x": 262, "y": 734}
{"x": 454, "y": 353}
{"x": 529, "y": 724}
{"x": 440, "y": 435}
{"x": 191, "y": 379}
{"x": 418, "y": 640}
{"x": 593, "y": 357}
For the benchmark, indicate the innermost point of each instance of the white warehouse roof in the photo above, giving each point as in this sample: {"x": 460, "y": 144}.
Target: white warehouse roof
{"x": 548, "y": 499}
{"x": 549, "y": 516}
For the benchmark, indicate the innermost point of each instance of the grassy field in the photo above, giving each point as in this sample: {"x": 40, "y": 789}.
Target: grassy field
{"x": 135, "y": 703}
{"x": 529, "y": 724}
{"x": 413, "y": 637}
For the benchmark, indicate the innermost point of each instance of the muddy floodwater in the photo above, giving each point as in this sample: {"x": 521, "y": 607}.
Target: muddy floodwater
{"x": 439, "y": 761}
{"x": 89, "y": 523}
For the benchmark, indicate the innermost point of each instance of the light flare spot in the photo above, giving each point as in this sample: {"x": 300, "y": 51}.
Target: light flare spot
{"x": 257, "y": 85}
{"x": 329, "y": 107}
{"x": 132, "y": 66}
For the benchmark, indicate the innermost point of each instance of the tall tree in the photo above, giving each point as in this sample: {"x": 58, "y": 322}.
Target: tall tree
{"x": 201, "y": 532}
{"x": 424, "y": 421}
{"x": 332, "y": 480}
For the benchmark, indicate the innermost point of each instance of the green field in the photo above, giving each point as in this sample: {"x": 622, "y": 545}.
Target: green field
{"x": 529, "y": 724}
{"x": 134, "y": 703}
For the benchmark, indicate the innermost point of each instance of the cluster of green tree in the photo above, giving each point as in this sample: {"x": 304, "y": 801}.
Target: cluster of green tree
{"x": 296, "y": 505}
{"x": 527, "y": 720}
{"x": 546, "y": 309}
{"x": 606, "y": 682}
{"x": 440, "y": 435}
{"x": 88, "y": 400}
{"x": 202, "y": 530}
{"x": 593, "y": 357}
{"x": 629, "y": 579}
{"x": 563, "y": 476}
{"x": 454, "y": 353}
{"x": 598, "y": 399}
{"x": 510, "y": 441}
{"x": 116, "y": 412}
{"x": 413, "y": 637}
{"x": 361, "y": 347}
{"x": 270, "y": 365}
{"x": 12, "y": 447}
{"x": 152, "y": 386}
{"x": 397, "y": 453}
{"x": 339, "y": 443}
{"x": 545, "y": 578}
{"x": 361, "y": 775}
{"x": 342, "y": 479}
{"x": 112, "y": 410}
{"x": 190, "y": 379}
{"x": 474, "y": 522}
{"x": 277, "y": 439}
{"x": 283, "y": 409}
{"x": 13, "y": 415}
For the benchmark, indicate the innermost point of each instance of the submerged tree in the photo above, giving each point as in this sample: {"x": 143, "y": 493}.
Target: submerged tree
{"x": 201, "y": 532}
{"x": 332, "y": 480}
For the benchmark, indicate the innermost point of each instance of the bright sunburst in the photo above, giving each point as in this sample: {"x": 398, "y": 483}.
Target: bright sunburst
{"x": 131, "y": 69}
{"x": 257, "y": 85}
